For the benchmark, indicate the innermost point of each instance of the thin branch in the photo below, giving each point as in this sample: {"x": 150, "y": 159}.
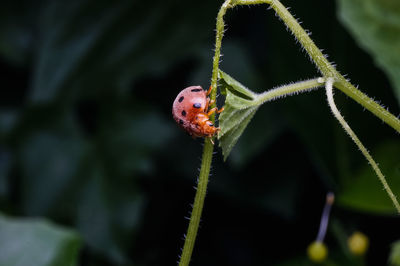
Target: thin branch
{"x": 353, "y": 136}
{"x": 290, "y": 89}
{"x": 207, "y": 151}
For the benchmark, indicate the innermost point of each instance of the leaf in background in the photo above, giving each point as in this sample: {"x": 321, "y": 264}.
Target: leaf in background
{"x": 92, "y": 46}
{"x": 111, "y": 201}
{"x": 130, "y": 138}
{"x": 50, "y": 157}
{"x": 363, "y": 190}
{"x": 36, "y": 242}
{"x": 375, "y": 24}
{"x": 237, "y": 113}
{"x": 16, "y": 30}
{"x": 394, "y": 257}
{"x": 108, "y": 213}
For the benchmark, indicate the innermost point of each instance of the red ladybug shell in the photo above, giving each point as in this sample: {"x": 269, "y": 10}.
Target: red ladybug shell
{"x": 189, "y": 112}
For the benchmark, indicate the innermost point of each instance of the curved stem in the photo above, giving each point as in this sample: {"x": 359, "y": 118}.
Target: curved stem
{"x": 353, "y": 136}
{"x": 368, "y": 103}
{"x": 323, "y": 64}
{"x": 302, "y": 36}
{"x": 329, "y": 71}
{"x": 326, "y": 69}
{"x": 207, "y": 150}
{"x": 220, "y": 27}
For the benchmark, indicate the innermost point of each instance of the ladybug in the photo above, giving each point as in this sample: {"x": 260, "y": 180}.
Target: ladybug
{"x": 190, "y": 111}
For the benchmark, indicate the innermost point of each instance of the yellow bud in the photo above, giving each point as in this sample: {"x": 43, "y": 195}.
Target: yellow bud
{"x": 317, "y": 251}
{"x": 358, "y": 243}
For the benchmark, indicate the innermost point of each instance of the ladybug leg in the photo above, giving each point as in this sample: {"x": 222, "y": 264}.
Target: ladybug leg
{"x": 209, "y": 90}
{"x": 215, "y": 110}
{"x": 207, "y": 104}
{"x": 212, "y": 111}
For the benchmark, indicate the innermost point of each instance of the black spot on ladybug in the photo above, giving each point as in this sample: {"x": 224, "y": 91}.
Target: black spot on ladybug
{"x": 181, "y": 121}
{"x": 184, "y": 113}
{"x": 196, "y": 90}
{"x": 181, "y": 99}
{"x": 197, "y": 105}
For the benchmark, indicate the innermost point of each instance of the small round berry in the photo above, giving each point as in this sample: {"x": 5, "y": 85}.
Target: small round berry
{"x": 358, "y": 243}
{"x": 317, "y": 251}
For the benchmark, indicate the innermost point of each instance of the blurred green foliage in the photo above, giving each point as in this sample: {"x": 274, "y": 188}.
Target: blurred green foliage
{"x": 88, "y": 142}
{"x": 376, "y": 27}
{"x": 394, "y": 258}
{"x": 37, "y": 242}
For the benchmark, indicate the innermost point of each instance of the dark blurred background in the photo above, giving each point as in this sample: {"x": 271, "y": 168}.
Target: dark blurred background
{"x": 94, "y": 171}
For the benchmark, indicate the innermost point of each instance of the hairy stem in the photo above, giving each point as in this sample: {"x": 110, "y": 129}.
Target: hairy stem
{"x": 329, "y": 71}
{"x": 198, "y": 204}
{"x": 353, "y": 136}
{"x": 368, "y": 103}
{"x": 207, "y": 150}
{"x": 218, "y": 42}
{"x": 252, "y": 2}
{"x": 302, "y": 36}
{"x": 323, "y": 64}
{"x": 326, "y": 69}
{"x": 290, "y": 89}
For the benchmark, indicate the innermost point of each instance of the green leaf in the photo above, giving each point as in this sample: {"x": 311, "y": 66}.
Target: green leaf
{"x": 36, "y": 242}
{"x": 375, "y": 24}
{"x": 239, "y": 110}
{"x": 394, "y": 257}
{"x": 238, "y": 123}
{"x": 235, "y": 87}
{"x": 363, "y": 191}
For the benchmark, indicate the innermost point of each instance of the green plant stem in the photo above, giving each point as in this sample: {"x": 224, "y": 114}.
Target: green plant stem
{"x": 251, "y": 2}
{"x": 353, "y": 136}
{"x": 198, "y": 204}
{"x": 328, "y": 70}
{"x": 207, "y": 150}
{"x": 323, "y": 64}
{"x": 302, "y": 36}
{"x": 290, "y": 89}
{"x": 220, "y": 26}
{"x": 369, "y": 104}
